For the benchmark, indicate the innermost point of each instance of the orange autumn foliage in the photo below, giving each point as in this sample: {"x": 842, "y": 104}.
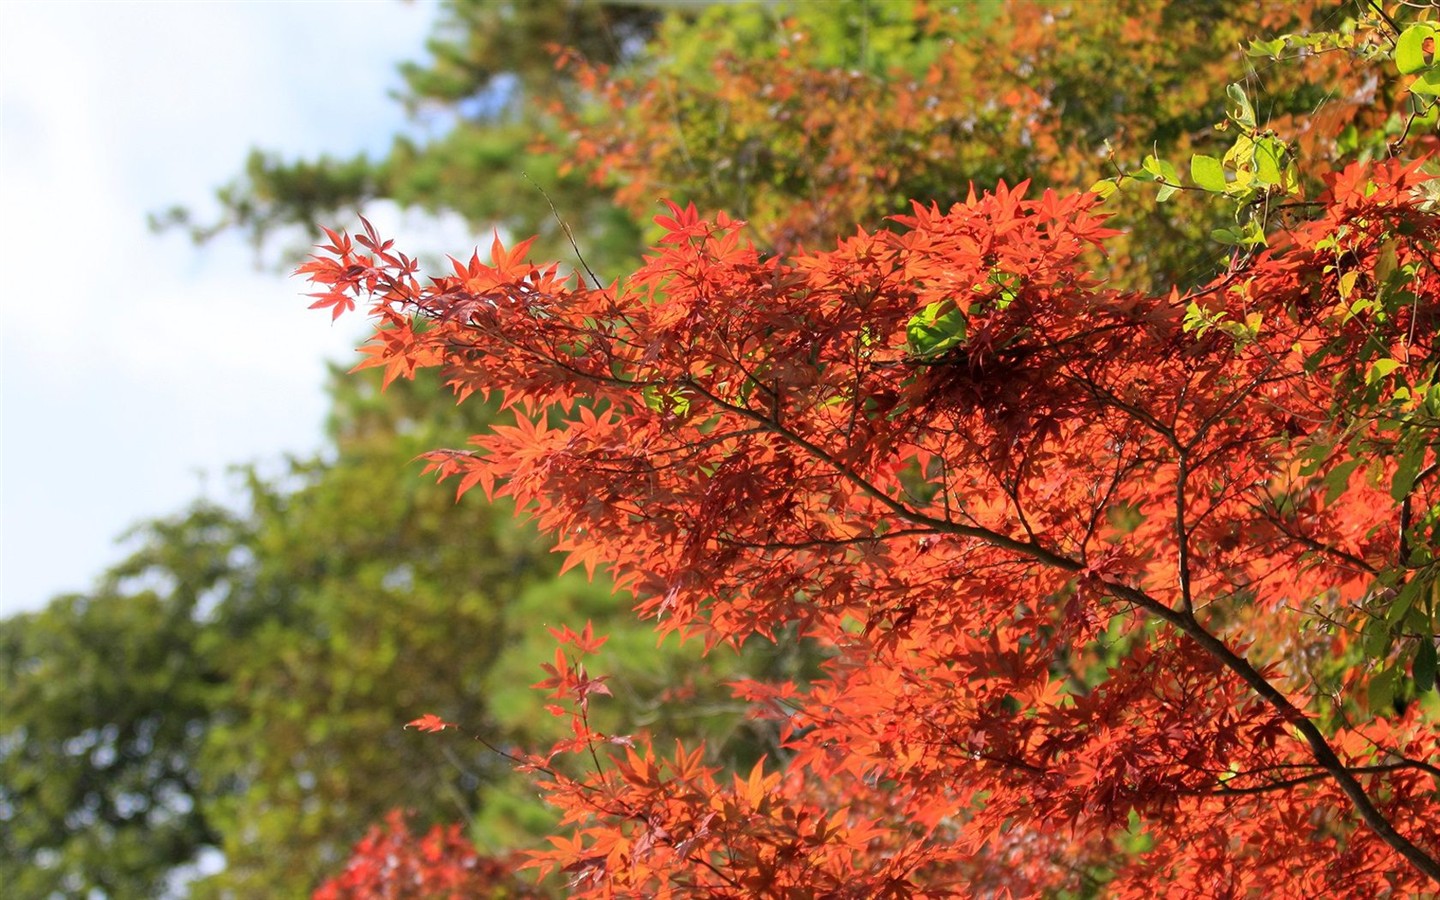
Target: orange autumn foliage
{"x": 392, "y": 863}
{"x": 1117, "y": 586}
{"x": 751, "y": 442}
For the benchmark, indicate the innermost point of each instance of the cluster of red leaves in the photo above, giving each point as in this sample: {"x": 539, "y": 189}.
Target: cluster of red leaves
{"x": 391, "y": 863}
{"x": 753, "y": 442}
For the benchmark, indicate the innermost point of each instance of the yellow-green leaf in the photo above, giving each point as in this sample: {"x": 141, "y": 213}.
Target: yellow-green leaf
{"x": 1105, "y": 187}
{"x": 1410, "y": 56}
{"x": 1207, "y": 172}
{"x": 1381, "y": 368}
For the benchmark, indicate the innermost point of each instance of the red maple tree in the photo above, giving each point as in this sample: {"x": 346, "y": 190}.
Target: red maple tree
{"x": 393, "y": 863}
{"x": 955, "y": 458}
{"x": 1115, "y": 587}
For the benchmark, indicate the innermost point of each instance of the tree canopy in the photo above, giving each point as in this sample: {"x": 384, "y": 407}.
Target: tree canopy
{"x": 1074, "y": 523}
{"x": 1120, "y": 586}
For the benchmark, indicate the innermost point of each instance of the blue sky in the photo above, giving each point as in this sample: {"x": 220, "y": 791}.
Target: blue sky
{"x": 134, "y": 368}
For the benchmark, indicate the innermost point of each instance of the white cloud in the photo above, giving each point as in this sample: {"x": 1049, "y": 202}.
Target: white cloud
{"x": 131, "y": 362}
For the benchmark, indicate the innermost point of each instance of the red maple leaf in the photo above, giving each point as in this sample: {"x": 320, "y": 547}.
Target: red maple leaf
{"x": 430, "y": 722}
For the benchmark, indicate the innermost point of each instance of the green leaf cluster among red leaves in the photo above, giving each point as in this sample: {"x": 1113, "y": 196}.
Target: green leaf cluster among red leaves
{"x": 391, "y": 863}
{"x": 1108, "y": 579}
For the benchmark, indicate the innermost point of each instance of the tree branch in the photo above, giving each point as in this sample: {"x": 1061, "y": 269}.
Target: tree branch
{"x": 1184, "y": 620}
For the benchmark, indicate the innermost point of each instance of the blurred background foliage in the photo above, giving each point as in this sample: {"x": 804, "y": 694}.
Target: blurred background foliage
{"x": 238, "y": 685}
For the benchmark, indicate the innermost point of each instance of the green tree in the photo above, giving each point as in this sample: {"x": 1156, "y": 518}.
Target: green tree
{"x": 241, "y": 681}
{"x": 376, "y": 596}
{"x": 105, "y": 703}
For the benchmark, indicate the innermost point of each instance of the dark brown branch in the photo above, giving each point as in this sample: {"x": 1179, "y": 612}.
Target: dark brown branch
{"x": 1185, "y": 621}
{"x": 825, "y": 543}
{"x": 1286, "y": 783}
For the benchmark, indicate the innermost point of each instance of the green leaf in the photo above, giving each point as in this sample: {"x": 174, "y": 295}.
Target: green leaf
{"x": 1338, "y": 478}
{"x": 1009, "y": 284}
{"x": 1105, "y": 187}
{"x": 1375, "y": 639}
{"x": 1387, "y": 262}
{"x": 936, "y": 329}
{"x": 1269, "y": 160}
{"x": 1247, "y": 235}
{"x": 1427, "y": 84}
{"x": 1271, "y": 48}
{"x": 1238, "y": 108}
{"x": 1346, "y": 285}
{"x": 1406, "y": 471}
{"x": 1382, "y": 689}
{"x": 1207, "y": 172}
{"x": 1313, "y": 456}
{"x": 1410, "y": 48}
{"x": 1290, "y": 180}
{"x": 1424, "y": 667}
{"x": 1380, "y": 368}
{"x": 1199, "y": 319}
{"x": 1400, "y": 606}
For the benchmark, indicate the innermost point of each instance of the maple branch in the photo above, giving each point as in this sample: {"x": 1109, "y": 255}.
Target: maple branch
{"x": 1394, "y": 26}
{"x": 1422, "y": 765}
{"x": 902, "y": 511}
{"x": 1405, "y": 514}
{"x": 1286, "y": 783}
{"x": 1274, "y": 517}
{"x": 1184, "y": 620}
{"x": 1004, "y": 762}
{"x": 1182, "y": 536}
{"x": 818, "y": 543}
{"x": 602, "y": 803}
{"x": 1103, "y": 502}
{"x": 1320, "y": 748}
{"x": 1102, "y": 395}
{"x": 1012, "y": 492}
{"x": 565, "y": 227}
{"x": 682, "y": 452}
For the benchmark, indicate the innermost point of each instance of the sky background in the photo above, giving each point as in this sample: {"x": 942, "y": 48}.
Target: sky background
{"x": 135, "y": 367}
